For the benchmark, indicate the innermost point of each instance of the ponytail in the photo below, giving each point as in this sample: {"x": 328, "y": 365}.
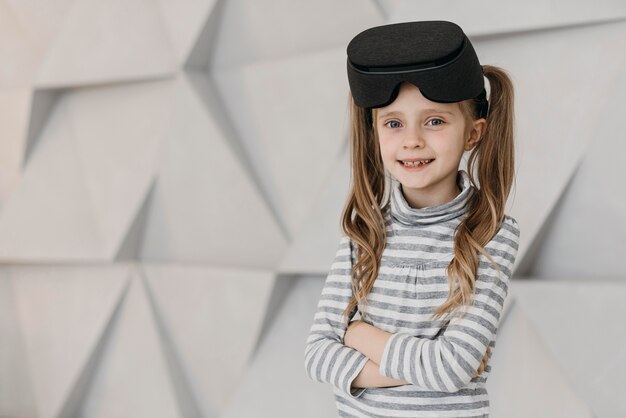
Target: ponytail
{"x": 494, "y": 161}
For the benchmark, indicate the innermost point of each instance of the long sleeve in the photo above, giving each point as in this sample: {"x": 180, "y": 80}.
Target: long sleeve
{"x": 326, "y": 358}
{"x": 448, "y": 362}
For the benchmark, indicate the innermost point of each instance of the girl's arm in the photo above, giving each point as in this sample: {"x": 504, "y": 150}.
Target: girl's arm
{"x": 371, "y": 341}
{"x": 370, "y": 377}
{"x": 449, "y": 362}
{"x": 326, "y": 358}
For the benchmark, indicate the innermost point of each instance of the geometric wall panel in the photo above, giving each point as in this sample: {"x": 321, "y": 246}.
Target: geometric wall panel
{"x": 131, "y": 376}
{"x": 17, "y": 397}
{"x": 50, "y": 216}
{"x": 38, "y": 22}
{"x": 290, "y": 114}
{"x": 14, "y": 120}
{"x": 592, "y": 210}
{"x": 42, "y": 104}
{"x": 206, "y": 355}
{"x": 585, "y": 325}
{"x": 19, "y": 54}
{"x": 278, "y": 363}
{"x": 268, "y": 30}
{"x": 491, "y": 17}
{"x": 118, "y": 133}
{"x": 63, "y": 314}
{"x": 111, "y": 155}
{"x": 200, "y": 183}
{"x": 312, "y": 245}
{"x": 526, "y": 379}
{"x": 84, "y": 52}
{"x": 184, "y": 20}
{"x": 556, "y": 116}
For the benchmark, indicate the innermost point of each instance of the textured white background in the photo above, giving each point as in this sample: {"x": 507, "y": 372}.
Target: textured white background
{"x": 172, "y": 174}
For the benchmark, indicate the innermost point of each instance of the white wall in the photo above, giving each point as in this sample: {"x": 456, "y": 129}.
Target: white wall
{"x": 172, "y": 175}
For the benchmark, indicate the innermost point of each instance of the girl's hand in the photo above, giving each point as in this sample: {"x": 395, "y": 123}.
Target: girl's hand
{"x": 481, "y": 368}
{"x": 348, "y": 337}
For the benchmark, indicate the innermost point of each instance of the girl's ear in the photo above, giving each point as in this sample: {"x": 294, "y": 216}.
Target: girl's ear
{"x": 475, "y": 133}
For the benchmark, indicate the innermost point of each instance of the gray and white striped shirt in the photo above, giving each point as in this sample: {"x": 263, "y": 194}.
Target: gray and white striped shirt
{"x": 438, "y": 357}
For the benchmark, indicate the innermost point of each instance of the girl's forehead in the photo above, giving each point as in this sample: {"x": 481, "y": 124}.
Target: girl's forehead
{"x": 410, "y": 100}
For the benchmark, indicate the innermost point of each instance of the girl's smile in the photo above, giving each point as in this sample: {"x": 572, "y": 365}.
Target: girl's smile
{"x": 415, "y": 165}
{"x": 412, "y": 129}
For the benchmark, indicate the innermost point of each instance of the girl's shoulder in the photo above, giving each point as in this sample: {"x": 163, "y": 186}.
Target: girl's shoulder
{"x": 507, "y": 235}
{"x": 509, "y": 226}
{"x": 504, "y": 245}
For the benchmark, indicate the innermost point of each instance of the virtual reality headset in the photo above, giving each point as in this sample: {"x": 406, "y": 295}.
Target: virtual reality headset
{"x": 435, "y": 56}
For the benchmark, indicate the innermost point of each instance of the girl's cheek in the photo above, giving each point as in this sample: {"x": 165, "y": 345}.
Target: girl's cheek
{"x": 385, "y": 143}
{"x": 388, "y": 151}
{"x": 388, "y": 140}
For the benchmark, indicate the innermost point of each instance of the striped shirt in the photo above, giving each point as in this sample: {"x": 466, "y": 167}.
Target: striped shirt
{"x": 439, "y": 358}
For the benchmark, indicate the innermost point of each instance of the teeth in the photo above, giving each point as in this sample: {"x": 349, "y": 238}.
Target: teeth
{"x": 416, "y": 163}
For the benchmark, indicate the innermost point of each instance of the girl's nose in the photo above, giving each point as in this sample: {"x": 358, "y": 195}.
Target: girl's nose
{"x": 413, "y": 137}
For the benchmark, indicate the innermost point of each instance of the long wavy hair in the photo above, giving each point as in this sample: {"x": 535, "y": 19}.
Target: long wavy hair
{"x": 368, "y": 201}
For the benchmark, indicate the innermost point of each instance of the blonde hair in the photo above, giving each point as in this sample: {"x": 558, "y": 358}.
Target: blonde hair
{"x": 363, "y": 216}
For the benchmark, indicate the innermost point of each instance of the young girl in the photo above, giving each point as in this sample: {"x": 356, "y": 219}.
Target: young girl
{"x": 410, "y": 309}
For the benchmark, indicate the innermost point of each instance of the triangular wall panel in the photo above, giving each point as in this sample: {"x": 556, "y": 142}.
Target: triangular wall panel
{"x": 118, "y": 133}
{"x": 99, "y": 43}
{"x": 210, "y": 320}
{"x": 556, "y": 117}
{"x": 132, "y": 378}
{"x": 493, "y": 17}
{"x": 526, "y": 380}
{"x": 15, "y": 104}
{"x": 315, "y": 242}
{"x": 262, "y": 30}
{"x": 594, "y": 195}
{"x": 585, "y": 324}
{"x": 50, "y": 214}
{"x": 200, "y": 184}
{"x": 62, "y": 313}
{"x": 291, "y": 116}
{"x": 17, "y": 392}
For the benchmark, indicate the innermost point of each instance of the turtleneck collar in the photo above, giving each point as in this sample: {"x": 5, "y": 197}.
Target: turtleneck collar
{"x": 402, "y": 212}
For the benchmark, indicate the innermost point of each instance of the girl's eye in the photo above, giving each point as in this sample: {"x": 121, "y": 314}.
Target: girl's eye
{"x": 439, "y": 121}
{"x": 392, "y": 121}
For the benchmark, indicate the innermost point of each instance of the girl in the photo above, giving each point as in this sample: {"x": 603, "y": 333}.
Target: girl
{"x": 427, "y": 252}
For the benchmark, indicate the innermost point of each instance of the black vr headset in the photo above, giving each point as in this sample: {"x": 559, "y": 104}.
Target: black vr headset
{"x": 435, "y": 56}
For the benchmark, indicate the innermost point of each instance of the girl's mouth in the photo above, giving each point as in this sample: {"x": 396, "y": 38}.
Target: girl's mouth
{"x": 415, "y": 166}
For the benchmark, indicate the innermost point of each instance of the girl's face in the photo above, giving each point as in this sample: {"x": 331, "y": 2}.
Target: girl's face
{"x": 415, "y": 128}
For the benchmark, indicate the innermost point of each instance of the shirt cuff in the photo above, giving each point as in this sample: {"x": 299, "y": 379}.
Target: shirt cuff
{"x": 354, "y": 371}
